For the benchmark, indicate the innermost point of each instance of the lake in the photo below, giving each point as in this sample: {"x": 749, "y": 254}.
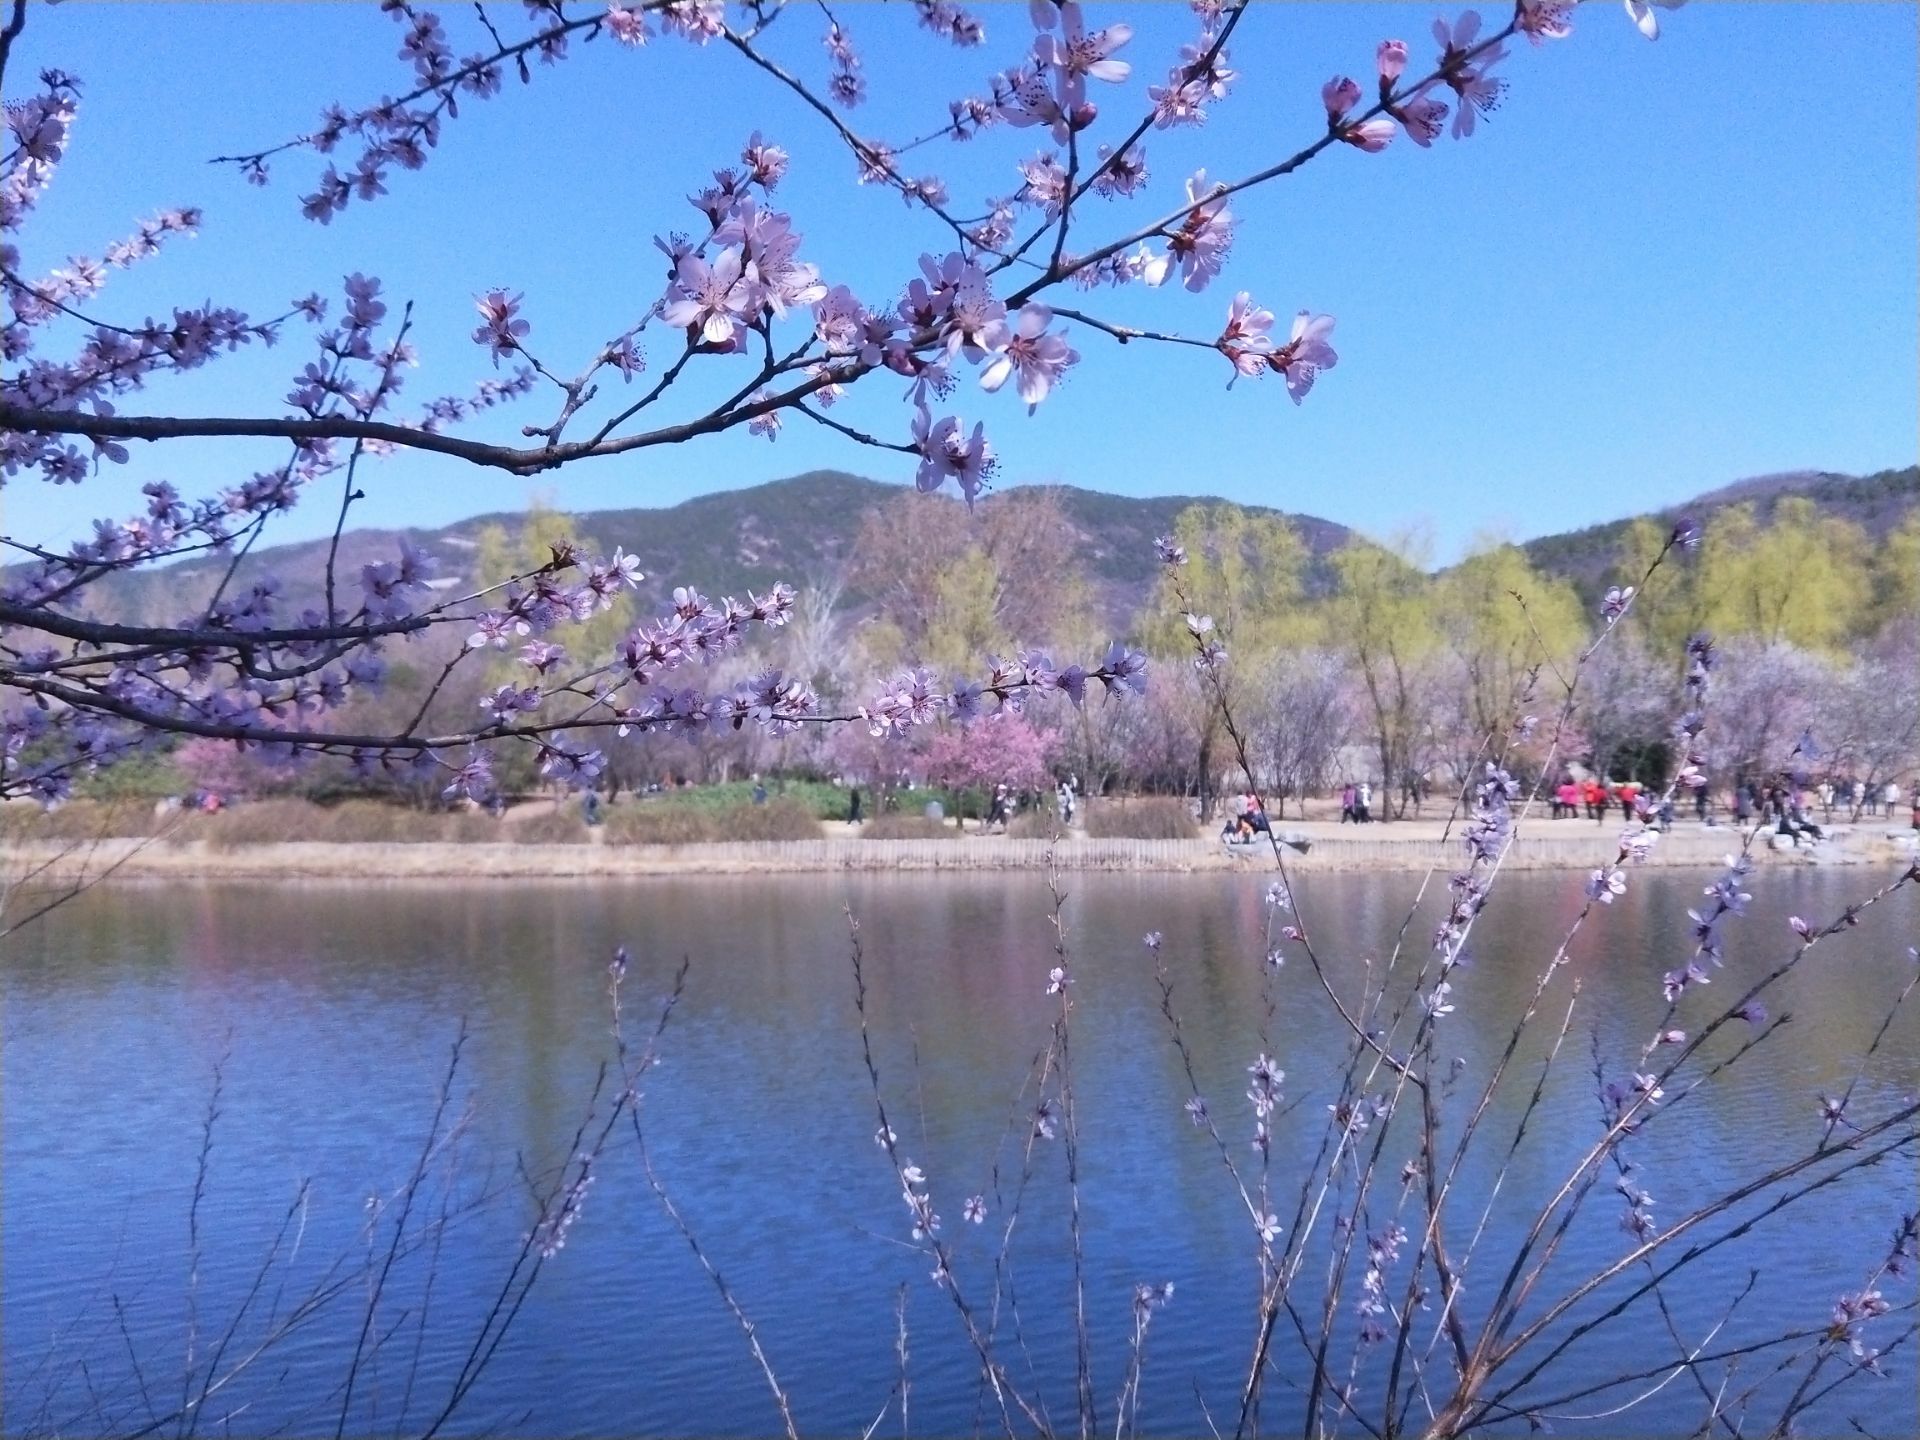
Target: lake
{"x": 330, "y": 1010}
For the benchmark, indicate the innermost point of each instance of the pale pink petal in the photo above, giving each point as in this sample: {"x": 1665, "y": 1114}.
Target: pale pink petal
{"x": 680, "y": 313}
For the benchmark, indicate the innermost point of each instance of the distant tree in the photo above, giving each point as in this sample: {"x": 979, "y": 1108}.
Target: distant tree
{"x": 1245, "y": 569}
{"x": 1008, "y": 572}
{"x": 1866, "y": 719}
{"x": 1764, "y": 701}
{"x": 1006, "y": 748}
{"x": 1624, "y": 703}
{"x": 1801, "y": 580}
{"x": 1505, "y": 622}
{"x": 1301, "y": 722}
{"x": 1382, "y": 616}
{"x": 1896, "y": 589}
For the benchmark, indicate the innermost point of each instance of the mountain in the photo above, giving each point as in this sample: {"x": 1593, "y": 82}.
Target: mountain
{"x": 803, "y": 528}
{"x": 725, "y": 543}
{"x": 1876, "y": 503}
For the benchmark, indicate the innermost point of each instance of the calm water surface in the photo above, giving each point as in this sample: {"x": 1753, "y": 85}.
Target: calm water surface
{"x": 334, "y": 1008}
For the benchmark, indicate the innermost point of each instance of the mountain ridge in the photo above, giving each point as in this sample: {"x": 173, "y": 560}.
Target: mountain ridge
{"x": 802, "y": 528}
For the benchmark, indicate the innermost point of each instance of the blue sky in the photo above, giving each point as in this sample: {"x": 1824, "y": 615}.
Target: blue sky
{"x": 1657, "y": 269}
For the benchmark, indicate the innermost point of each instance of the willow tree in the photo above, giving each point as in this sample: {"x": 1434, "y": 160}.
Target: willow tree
{"x": 1383, "y": 615}
{"x": 1504, "y": 622}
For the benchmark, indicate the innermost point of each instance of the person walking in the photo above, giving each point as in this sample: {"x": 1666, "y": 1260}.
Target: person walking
{"x": 1363, "y": 802}
{"x": 1891, "y": 795}
{"x": 1347, "y": 796}
{"x": 853, "y": 807}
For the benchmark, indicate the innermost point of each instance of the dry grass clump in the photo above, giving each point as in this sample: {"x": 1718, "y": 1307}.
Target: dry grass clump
{"x": 1037, "y": 825}
{"x": 81, "y": 820}
{"x": 657, "y": 824}
{"x": 560, "y": 826}
{"x": 1153, "y": 818}
{"x": 352, "y": 822}
{"x": 907, "y": 827}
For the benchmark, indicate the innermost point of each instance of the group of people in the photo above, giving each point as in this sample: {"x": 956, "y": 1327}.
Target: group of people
{"x": 1781, "y": 805}
{"x": 1356, "y": 803}
{"x": 1595, "y": 797}
{"x": 1865, "y": 800}
{"x": 1246, "y": 820}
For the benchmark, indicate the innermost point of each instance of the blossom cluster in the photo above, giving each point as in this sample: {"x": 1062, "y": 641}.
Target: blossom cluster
{"x": 916, "y": 697}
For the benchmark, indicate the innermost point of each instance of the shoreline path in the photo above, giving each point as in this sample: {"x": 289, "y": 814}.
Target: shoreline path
{"x": 1403, "y": 846}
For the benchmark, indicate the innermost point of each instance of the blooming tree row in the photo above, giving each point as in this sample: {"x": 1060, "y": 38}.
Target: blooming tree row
{"x": 983, "y": 306}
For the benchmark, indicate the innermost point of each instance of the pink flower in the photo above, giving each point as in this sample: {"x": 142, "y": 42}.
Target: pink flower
{"x": 1305, "y": 354}
{"x": 1120, "y": 174}
{"x": 1075, "y": 54}
{"x": 1372, "y": 136}
{"x": 1340, "y": 94}
{"x": 1479, "y": 93}
{"x": 945, "y": 451}
{"x": 768, "y": 422}
{"x": 500, "y": 327}
{"x": 1037, "y": 358}
{"x": 1541, "y": 20}
{"x": 1421, "y": 118}
{"x": 1246, "y": 341}
{"x": 711, "y": 297}
{"x": 1046, "y": 182}
{"x": 629, "y": 27}
{"x": 768, "y": 163}
{"x": 1392, "y": 59}
{"x": 1199, "y": 247}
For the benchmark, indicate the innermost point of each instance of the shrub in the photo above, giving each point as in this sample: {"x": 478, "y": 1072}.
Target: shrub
{"x": 907, "y": 827}
{"x": 352, "y": 822}
{"x": 1041, "y": 824}
{"x": 79, "y": 820}
{"x": 650, "y": 823}
{"x": 667, "y": 823}
{"x": 562, "y": 826}
{"x": 1150, "y": 819}
{"x": 821, "y": 800}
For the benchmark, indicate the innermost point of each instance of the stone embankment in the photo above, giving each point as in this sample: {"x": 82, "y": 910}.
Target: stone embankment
{"x": 1407, "y": 847}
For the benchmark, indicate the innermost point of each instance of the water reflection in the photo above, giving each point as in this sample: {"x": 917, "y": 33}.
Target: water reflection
{"x": 335, "y": 1007}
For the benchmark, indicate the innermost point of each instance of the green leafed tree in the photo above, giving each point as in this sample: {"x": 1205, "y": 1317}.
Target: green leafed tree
{"x": 1247, "y": 570}
{"x": 1382, "y": 616}
{"x": 1505, "y": 623}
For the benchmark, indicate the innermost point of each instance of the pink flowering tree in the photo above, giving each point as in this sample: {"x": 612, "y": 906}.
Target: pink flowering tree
{"x": 742, "y": 330}
{"x": 1004, "y": 750}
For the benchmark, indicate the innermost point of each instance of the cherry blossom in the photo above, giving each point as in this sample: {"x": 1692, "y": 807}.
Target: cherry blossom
{"x": 1305, "y": 354}
{"x": 1478, "y": 93}
{"x": 714, "y": 299}
{"x": 1075, "y": 54}
{"x": 1037, "y": 358}
{"x": 1246, "y": 340}
{"x": 501, "y": 330}
{"x": 1199, "y": 247}
{"x": 1421, "y": 117}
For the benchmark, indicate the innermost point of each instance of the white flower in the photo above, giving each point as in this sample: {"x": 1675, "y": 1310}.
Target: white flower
{"x": 1641, "y": 13}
